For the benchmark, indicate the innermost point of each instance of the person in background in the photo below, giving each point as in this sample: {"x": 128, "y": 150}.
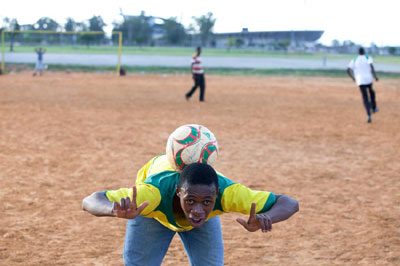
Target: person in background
{"x": 39, "y": 63}
{"x": 361, "y": 70}
{"x": 198, "y": 76}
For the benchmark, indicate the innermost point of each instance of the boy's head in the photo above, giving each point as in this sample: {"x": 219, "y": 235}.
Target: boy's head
{"x": 361, "y": 51}
{"x": 198, "y": 190}
{"x": 198, "y": 50}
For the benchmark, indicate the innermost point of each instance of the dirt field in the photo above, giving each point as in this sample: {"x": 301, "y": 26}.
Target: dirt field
{"x": 64, "y": 136}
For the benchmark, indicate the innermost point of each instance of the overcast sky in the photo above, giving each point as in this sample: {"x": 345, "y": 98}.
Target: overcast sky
{"x": 362, "y": 21}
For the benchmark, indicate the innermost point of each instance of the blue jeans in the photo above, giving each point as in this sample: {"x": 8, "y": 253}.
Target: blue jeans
{"x": 147, "y": 242}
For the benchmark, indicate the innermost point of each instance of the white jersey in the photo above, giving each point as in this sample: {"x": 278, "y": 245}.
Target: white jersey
{"x": 361, "y": 67}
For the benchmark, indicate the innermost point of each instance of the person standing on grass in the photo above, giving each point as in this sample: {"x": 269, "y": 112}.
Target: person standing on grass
{"x": 198, "y": 76}
{"x": 39, "y": 63}
{"x": 361, "y": 70}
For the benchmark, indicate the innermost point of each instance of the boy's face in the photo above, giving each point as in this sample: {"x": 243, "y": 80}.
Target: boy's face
{"x": 197, "y": 201}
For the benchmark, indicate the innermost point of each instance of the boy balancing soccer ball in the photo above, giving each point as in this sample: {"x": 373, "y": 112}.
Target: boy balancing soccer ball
{"x": 165, "y": 202}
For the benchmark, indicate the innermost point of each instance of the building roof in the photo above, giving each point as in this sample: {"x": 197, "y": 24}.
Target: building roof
{"x": 307, "y": 36}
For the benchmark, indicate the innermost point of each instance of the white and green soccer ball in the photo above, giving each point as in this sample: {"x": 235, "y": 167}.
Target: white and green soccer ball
{"x": 191, "y": 144}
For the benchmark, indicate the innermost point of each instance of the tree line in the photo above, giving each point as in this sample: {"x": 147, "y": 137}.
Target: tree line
{"x": 136, "y": 30}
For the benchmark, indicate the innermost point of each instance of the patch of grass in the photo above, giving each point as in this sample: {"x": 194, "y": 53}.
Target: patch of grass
{"x": 210, "y": 71}
{"x": 15, "y": 67}
{"x": 252, "y": 72}
{"x": 188, "y": 51}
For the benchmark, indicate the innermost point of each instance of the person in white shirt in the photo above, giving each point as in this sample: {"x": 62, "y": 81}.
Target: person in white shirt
{"x": 198, "y": 76}
{"x": 361, "y": 70}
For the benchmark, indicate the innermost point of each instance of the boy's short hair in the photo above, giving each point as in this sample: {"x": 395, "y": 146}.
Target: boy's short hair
{"x": 198, "y": 174}
{"x": 361, "y": 51}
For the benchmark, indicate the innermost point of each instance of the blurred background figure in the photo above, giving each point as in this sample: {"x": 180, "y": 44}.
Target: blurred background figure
{"x": 39, "y": 63}
{"x": 361, "y": 70}
{"x": 198, "y": 76}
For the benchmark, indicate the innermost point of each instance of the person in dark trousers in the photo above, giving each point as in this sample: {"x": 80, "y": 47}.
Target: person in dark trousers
{"x": 361, "y": 70}
{"x": 198, "y": 76}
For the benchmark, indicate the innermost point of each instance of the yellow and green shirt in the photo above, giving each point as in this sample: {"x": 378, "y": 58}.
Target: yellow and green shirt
{"x": 156, "y": 183}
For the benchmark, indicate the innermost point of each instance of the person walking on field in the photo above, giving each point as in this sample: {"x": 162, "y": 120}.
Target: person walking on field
{"x": 198, "y": 76}
{"x": 361, "y": 70}
{"x": 39, "y": 63}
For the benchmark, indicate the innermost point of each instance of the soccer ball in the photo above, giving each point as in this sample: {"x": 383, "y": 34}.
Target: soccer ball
{"x": 191, "y": 144}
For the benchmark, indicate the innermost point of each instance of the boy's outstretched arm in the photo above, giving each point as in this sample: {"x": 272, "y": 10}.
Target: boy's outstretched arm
{"x": 283, "y": 208}
{"x": 98, "y": 205}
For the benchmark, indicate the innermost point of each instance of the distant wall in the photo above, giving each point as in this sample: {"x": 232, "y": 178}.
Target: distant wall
{"x": 265, "y": 38}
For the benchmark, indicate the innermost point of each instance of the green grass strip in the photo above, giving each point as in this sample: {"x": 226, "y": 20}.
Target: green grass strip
{"x": 188, "y": 51}
{"x": 210, "y": 71}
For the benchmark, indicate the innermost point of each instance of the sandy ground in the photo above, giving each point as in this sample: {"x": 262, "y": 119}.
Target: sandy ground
{"x": 64, "y": 136}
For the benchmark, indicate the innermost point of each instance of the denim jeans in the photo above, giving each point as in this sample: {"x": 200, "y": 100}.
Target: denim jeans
{"x": 147, "y": 242}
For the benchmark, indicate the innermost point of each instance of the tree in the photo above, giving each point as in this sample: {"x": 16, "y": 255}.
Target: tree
{"x": 11, "y": 25}
{"x": 392, "y": 50}
{"x": 348, "y": 43}
{"x": 81, "y": 26}
{"x": 87, "y": 38}
{"x": 374, "y": 49}
{"x": 284, "y": 44}
{"x": 136, "y": 29}
{"x": 96, "y": 23}
{"x": 335, "y": 43}
{"x": 239, "y": 42}
{"x": 234, "y": 41}
{"x": 205, "y": 24}
{"x": 141, "y": 29}
{"x": 174, "y": 31}
{"x": 231, "y": 42}
{"x": 70, "y": 25}
{"x": 191, "y": 34}
{"x": 46, "y": 23}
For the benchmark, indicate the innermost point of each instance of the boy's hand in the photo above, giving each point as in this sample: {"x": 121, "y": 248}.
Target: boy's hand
{"x": 256, "y": 221}
{"x": 128, "y": 209}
